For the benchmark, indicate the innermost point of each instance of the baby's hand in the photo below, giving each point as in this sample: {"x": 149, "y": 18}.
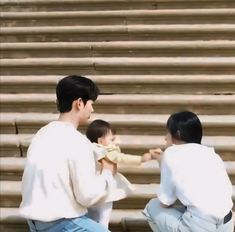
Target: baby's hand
{"x": 146, "y": 157}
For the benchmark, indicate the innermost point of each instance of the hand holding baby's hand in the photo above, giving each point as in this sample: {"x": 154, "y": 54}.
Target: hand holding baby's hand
{"x": 146, "y": 157}
{"x": 156, "y": 154}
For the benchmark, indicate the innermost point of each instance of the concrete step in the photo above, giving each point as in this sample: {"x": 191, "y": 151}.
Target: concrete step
{"x": 10, "y": 193}
{"x": 73, "y": 5}
{"x": 11, "y": 169}
{"x": 146, "y": 173}
{"x": 118, "y": 33}
{"x": 119, "y": 65}
{"x": 17, "y": 145}
{"x": 199, "y": 48}
{"x": 127, "y": 103}
{"x": 147, "y": 124}
{"x": 181, "y": 16}
{"x": 121, "y": 221}
{"x": 128, "y": 84}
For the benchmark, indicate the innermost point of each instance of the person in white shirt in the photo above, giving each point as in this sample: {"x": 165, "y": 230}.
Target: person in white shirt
{"x": 102, "y": 136}
{"x": 194, "y": 175}
{"x": 60, "y": 180}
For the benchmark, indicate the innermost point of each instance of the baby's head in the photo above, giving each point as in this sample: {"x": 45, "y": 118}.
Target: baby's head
{"x": 183, "y": 127}
{"x": 101, "y": 132}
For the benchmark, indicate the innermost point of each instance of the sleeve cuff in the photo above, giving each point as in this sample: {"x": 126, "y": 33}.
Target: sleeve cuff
{"x": 107, "y": 173}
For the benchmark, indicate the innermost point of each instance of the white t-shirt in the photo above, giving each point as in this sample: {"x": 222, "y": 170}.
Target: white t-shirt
{"x": 195, "y": 175}
{"x": 59, "y": 179}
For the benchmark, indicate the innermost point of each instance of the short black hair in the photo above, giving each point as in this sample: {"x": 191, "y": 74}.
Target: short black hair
{"x": 73, "y": 87}
{"x": 97, "y": 129}
{"x": 185, "y": 126}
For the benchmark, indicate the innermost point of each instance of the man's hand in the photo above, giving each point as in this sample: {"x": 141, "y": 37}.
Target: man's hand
{"x": 106, "y": 164}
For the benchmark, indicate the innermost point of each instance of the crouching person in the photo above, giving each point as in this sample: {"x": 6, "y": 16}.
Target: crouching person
{"x": 194, "y": 175}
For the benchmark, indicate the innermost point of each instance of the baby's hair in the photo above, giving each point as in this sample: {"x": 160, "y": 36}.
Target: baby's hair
{"x": 185, "y": 126}
{"x": 97, "y": 129}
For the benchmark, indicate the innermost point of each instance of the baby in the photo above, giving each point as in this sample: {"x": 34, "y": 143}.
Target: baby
{"x": 102, "y": 135}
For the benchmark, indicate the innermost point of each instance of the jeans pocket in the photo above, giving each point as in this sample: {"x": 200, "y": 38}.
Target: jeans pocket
{"x": 70, "y": 226}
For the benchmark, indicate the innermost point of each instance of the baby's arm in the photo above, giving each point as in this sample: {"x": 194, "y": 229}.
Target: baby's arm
{"x": 114, "y": 155}
{"x": 121, "y": 158}
{"x": 118, "y": 157}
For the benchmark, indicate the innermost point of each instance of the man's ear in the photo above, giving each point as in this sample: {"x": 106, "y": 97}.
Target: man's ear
{"x": 79, "y": 104}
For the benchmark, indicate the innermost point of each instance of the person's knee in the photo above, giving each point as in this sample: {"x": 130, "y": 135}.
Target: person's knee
{"x": 153, "y": 201}
{"x": 154, "y": 206}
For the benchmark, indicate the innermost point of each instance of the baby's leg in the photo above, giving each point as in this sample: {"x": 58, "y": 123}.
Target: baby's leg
{"x": 105, "y": 213}
{"x": 101, "y": 213}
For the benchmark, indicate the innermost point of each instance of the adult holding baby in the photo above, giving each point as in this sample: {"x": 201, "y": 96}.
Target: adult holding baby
{"x": 60, "y": 180}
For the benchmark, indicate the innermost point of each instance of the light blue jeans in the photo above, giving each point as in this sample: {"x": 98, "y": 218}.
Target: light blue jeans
{"x": 80, "y": 224}
{"x": 178, "y": 219}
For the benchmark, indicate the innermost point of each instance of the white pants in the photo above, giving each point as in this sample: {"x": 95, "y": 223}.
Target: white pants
{"x": 178, "y": 219}
{"x": 101, "y": 213}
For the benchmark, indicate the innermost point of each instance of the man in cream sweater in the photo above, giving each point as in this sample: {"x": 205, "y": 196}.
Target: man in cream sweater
{"x": 59, "y": 181}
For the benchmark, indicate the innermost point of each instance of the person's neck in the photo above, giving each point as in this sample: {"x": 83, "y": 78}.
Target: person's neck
{"x": 69, "y": 117}
{"x": 178, "y": 142}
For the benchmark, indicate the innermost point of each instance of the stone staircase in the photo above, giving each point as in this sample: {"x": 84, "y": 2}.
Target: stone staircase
{"x": 149, "y": 57}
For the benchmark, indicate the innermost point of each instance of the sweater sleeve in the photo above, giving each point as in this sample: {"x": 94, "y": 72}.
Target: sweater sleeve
{"x": 116, "y": 156}
{"x": 166, "y": 194}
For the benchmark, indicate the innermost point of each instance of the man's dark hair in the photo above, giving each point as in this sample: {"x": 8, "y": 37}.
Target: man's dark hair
{"x": 97, "y": 129}
{"x": 185, "y": 126}
{"x": 71, "y": 88}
